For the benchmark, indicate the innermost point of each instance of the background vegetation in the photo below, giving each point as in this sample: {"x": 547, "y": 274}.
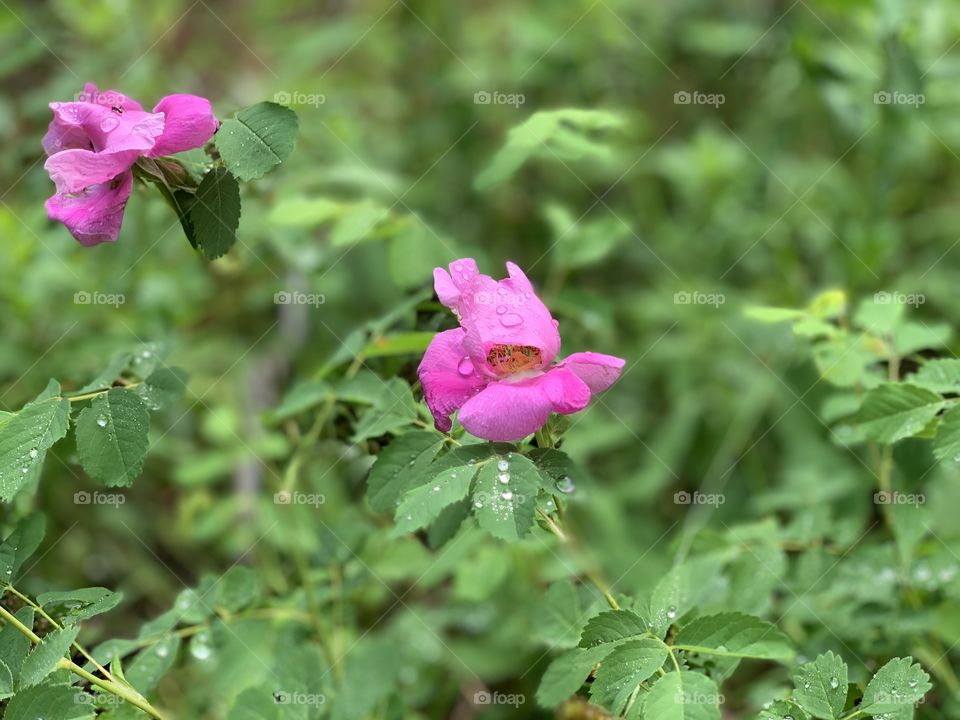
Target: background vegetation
{"x": 648, "y": 223}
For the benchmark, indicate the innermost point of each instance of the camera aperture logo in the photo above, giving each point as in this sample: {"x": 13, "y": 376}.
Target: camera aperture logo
{"x": 896, "y": 97}
{"x": 485, "y": 697}
{"x": 895, "y": 497}
{"x": 484, "y": 97}
{"x": 696, "y": 297}
{"x": 84, "y": 297}
{"x": 698, "y": 498}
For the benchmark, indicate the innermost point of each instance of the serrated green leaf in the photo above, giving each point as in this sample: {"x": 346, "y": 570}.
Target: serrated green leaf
{"x": 779, "y": 709}
{"x": 894, "y": 411}
{"x": 237, "y": 589}
{"x": 505, "y": 496}
{"x": 59, "y": 702}
{"x": 946, "y": 443}
{"x": 734, "y": 635}
{"x": 112, "y": 437}
{"x": 913, "y": 337}
{"x": 682, "y": 696}
{"x": 45, "y": 656}
{"x": 26, "y": 437}
{"x": 941, "y": 375}
{"x": 152, "y": 663}
{"x": 163, "y": 387}
{"x": 898, "y": 684}
{"x": 73, "y": 606}
{"x": 422, "y": 505}
{"x": 21, "y": 544}
{"x": 258, "y": 139}
{"x": 624, "y": 669}
{"x": 400, "y": 467}
{"x": 611, "y": 627}
{"x": 14, "y": 645}
{"x": 564, "y": 676}
{"x": 560, "y": 616}
{"x": 680, "y": 591}
{"x": 215, "y": 215}
{"x": 821, "y": 686}
{"x": 256, "y": 704}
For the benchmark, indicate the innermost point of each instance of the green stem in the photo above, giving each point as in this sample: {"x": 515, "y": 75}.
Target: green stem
{"x": 95, "y": 393}
{"x": 592, "y": 576}
{"x": 128, "y": 694}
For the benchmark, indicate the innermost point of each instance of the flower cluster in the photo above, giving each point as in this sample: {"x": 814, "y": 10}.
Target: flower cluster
{"x": 93, "y": 144}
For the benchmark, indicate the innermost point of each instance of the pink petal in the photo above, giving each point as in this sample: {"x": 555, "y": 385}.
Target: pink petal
{"x": 95, "y": 215}
{"x": 505, "y": 312}
{"x": 448, "y": 376}
{"x": 74, "y": 170}
{"x": 597, "y": 370}
{"x": 188, "y": 123}
{"x": 107, "y": 98}
{"x": 508, "y": 411}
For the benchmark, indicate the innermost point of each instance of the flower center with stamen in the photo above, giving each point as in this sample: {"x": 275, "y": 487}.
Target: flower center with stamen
{"x": 509, "y": 359}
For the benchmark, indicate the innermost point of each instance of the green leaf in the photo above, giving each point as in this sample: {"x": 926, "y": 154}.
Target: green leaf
{"x": 215, "y": 215}
{"x": 255, "y": 704}
{"x": 946, "y": 444}
{"x": 6, "y": 680}
{"x": 422, "y": 505}
{"x": 567, "y": 673}
{"x": 26, "y": 437}
{"x": 682, "y": 696}
{"x": 560, "y": 616}
{"x": 898, "y": 684}
{"x": 45, "y": 656}
{"x": 358, "y": 223}
{"x": 567, "y": 135}
{"x": 505, "y": 496}
{"x": 73, "y": 606}
{"x": 112, "y": 437}
{"x": 401, "y": 467}
{"x": 941, "y": 375}
{"x": 894, "y": 411}
{"x": 54, "y": 701}
{"x": 624, "y": 669}
{"x": 913, "y": 337}
{"x": 821, "y": 686}
{"x": 780, "y": 709}
{"x": 238, "y": 589}
{"x": 163, "y": 387}
{"x": 21, "y": 544}
{"x": 680, "y": 591}
{"x": 406, "y": 343}
{"x": 734, "y": 635}
{"x": 611, "y": 627}
{"x": 258, "y": 139}
{"x": 152, "y": 663}
{"x": 14, "y": 645}
{"x": 768, "y": 314}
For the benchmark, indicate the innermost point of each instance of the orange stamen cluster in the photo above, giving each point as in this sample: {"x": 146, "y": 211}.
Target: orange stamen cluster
{"x": 509, "y": 359}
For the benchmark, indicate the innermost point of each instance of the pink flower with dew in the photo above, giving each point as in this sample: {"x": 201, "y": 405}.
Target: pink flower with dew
{"x": 93, "y": 143}
{"x": 496, "y": 370}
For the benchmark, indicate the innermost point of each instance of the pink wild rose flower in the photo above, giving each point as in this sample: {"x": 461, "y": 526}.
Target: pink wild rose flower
{"x": 93, "y": 143}
{"x": 497, "y": 368}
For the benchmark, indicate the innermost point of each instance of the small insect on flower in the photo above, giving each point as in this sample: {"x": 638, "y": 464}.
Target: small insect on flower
{"x": 93, "y": 144}
{"x": 496, "y": 370}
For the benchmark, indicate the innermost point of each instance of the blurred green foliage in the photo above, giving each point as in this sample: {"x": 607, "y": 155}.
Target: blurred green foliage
{"x": 649, "y": 220}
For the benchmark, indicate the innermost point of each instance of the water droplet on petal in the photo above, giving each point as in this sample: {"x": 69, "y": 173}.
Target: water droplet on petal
{"x": 465, "y": 367}
{"x": 511, "y": 320}
{"x": 501, "y": 309}
{"x": 109, "y": 124}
